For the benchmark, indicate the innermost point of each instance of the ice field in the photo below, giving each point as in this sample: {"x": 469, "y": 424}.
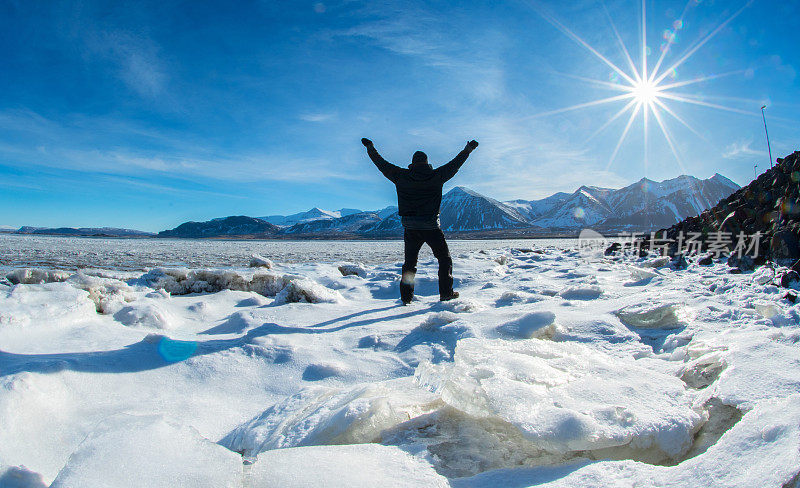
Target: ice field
{"x": 555, "y": 368}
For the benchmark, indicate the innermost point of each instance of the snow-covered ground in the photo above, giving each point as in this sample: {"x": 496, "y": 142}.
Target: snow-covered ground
{"x": 555, "y": 368}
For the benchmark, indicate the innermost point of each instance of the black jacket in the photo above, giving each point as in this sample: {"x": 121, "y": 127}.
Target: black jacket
{"x": 419, "y": 188}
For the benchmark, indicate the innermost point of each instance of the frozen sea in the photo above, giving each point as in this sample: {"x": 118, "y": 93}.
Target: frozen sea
{"x": 72, "y": 253}
{"x": 166, "y": 363}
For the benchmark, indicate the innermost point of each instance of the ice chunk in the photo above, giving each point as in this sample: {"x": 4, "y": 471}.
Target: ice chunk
{"x": 763, "y": 275}
{"x": 535, "y": 324}
{"x": 33, "y": 276}
{"x": 317, "y": 416}
{"x": 258, "y": 261}
{"x": 109, "y": 295}
{"x": 128, "y": 450}
{"x": 349, "y": 269}
{"x": 568, "y": 397}
{"x": 652, "y": 315}
{"x": 767, "y": 309}
{"x": 307, "y": 291}
{"x": 640, "y": 274}
{"x": 180, "y": 281}
{"x": 590, "y": 292}
{"x": 355, "y": 466}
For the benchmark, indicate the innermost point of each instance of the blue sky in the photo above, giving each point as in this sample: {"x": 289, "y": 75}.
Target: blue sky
{"x": 150, "y": 113}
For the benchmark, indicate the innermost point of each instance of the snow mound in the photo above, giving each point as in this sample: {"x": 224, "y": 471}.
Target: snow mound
{"x": 320, "y": 371}
{"x": 540, "y": 325}
{"x": 568, "y": 397}
{"x": 463, "y": 305}
{"x": 33, "y": 276}
{"x": 355, "y": 466}
{"x": 321, "y": 416}
{"x": 146, "y": 312}
{"x": 47, "y": 304}
{"x": 515, "y": 296}
{"x": 258, "y": 261}
{"x": 350, "y": 269}
{"x": 652, "y": 315}
{"x": 440, "y": 332}
{"x": 305, "y": 290}
{"x": 581, "y": 292}
{"x": 127, "y": 450}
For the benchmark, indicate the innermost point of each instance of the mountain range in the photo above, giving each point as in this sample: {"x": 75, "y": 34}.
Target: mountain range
{"x": 642, "y": 206}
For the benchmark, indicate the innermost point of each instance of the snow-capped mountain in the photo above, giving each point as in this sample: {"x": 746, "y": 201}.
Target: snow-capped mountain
{"x": 308, "y": 216}
{"x": 357, "y": 223}
{"x": 466, "y": 210}
{"x": 639, "y": 206}
{"x": 642, "y": 206}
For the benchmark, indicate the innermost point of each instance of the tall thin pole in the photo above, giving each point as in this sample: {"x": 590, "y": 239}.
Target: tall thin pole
{"x": 767, "y": 133}
{"x": 755, "y": 175}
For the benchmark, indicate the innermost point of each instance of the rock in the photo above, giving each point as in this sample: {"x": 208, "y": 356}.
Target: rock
{"x": 679, "y": 262}
{"x": 735, "y": 271}
{"x": 705, "y": 261}
{"x": 791, "y": 296}
{"x": 790, "y": 279}
{"x": 258, "y": 261}
{"x": 784, "y": 245}
{"x": 614, "y": 248}
{"x": 744, "y": 263}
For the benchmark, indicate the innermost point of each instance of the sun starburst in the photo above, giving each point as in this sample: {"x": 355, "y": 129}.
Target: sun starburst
{"x": 645, "y": 91}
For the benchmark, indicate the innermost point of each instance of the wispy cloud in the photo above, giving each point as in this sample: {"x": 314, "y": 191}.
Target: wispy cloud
{"x": 742, "y": 150}
{"x": 37, "y": 140}
{"x": 416, "y": 31}
{"x": 316, "y": 116}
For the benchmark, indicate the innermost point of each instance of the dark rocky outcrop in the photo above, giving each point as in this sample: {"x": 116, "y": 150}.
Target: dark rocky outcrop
{"x": 770, "y": 205}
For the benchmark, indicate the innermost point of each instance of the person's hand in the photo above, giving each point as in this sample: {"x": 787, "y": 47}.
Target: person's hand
{"x": 471, "y": 145}
{"x": 366, "y": 142}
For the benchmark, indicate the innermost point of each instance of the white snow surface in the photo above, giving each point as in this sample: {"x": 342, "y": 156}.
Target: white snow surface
{"x": 554, "y": 368}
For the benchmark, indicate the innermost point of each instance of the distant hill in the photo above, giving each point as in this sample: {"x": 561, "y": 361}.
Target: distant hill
{"x": 84, "y": 231}
{"x": 234, "y": 226}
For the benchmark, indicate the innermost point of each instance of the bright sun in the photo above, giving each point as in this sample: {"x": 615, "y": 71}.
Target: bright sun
{"x": 645, "y": 92}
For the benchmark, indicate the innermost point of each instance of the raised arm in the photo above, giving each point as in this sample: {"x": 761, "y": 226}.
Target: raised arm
{"x": 450, "y": 169}
{"x": 388, "y": 169}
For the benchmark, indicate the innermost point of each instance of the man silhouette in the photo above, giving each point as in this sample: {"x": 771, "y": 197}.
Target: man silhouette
{"x": 419, "y": 196}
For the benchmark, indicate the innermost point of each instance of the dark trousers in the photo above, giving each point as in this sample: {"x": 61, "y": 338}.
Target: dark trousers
{"x": 414, "y": 239}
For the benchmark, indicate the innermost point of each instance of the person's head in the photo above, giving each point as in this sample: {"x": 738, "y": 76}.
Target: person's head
{"x": 419, "y": 157}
